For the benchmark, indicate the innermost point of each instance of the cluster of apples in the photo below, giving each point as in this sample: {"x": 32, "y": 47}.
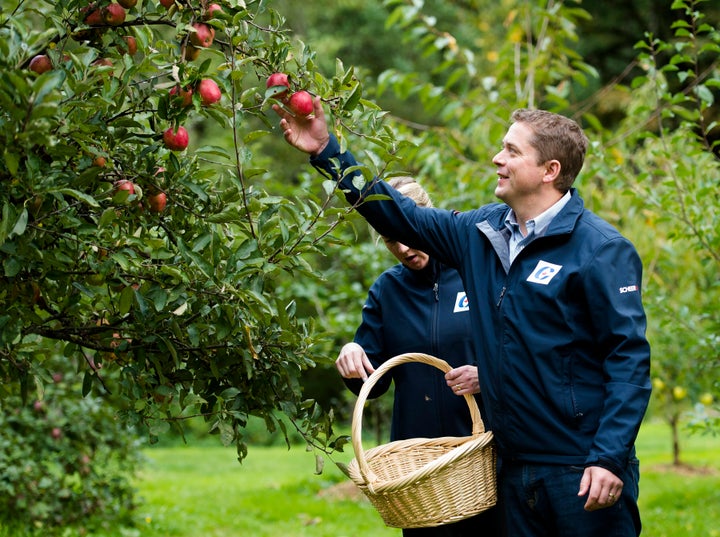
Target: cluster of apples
{"x": 299, "y": 102}
{"x": 113, "y": 14}
{"x": 157, "y": 200}
{"x": 177, "y": 139}
{"x": 201, "y": 36}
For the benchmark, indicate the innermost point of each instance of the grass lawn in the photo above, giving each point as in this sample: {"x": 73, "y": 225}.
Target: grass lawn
{"x": 189, "y": 491}
{"x": 192, "y": 491}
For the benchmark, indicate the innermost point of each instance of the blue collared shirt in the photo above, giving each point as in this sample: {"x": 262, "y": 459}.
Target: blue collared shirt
{"x": 536, "y": 227}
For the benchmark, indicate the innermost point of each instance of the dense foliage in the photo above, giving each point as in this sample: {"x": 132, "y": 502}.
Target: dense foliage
{"x": 65, "y": 460}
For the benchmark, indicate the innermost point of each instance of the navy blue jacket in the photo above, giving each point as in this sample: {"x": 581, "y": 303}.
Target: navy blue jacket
{"x": 418, "y": 311}
{"x": 560, "y": 334}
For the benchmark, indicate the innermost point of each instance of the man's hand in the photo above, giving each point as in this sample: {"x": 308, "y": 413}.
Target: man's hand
{"x": 603, "y": 488}
{"x": 309, "y": 134}
{"x": 353, "y": 363}
{"x": 463, "y": 380}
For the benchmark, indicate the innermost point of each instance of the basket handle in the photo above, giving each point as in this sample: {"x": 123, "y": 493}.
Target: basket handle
{"x": 478, "y": 426}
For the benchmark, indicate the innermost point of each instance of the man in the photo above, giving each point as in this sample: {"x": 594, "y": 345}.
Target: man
{"x": 559, "y": 325}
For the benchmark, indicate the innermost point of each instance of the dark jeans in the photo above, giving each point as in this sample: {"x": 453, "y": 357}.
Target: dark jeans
{"x": 542, "y": 501}
{"x": 484, "y": 524}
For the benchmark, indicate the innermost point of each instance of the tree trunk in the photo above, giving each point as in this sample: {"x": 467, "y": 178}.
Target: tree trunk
{"x": 674, "y": 421}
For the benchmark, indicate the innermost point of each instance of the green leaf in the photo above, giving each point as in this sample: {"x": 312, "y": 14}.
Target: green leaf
{"x": 127, "y": 295}
{"x": 46, "y": 83}
{"x": 20, "y": 224}
{"x": 12, "y": 160}
{"x": 81, "y": 196}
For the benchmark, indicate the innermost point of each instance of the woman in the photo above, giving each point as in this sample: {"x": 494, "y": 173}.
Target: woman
{"x": 419, "y": 305}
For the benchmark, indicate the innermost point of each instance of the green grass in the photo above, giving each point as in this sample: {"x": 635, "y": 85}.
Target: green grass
{"x": 684, "y": 501}
{"x": 201, "y": 490}
{"x": 192, "y": 491}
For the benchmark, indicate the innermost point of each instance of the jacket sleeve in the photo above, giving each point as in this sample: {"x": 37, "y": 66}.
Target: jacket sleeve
{"x": 390, "y": 213}
{"x": 370, "y": 336}
{"x": 613, "y": 287}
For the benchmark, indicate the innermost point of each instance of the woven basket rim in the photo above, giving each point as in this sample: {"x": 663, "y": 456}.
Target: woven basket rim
{"x": 466, "y": 448}
{"x": 477, "y": 440}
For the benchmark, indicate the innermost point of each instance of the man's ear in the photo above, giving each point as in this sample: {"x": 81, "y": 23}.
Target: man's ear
{"x": 552, "y": 171}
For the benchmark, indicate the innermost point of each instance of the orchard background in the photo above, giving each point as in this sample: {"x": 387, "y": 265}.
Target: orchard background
{"x": 150, "y": 281}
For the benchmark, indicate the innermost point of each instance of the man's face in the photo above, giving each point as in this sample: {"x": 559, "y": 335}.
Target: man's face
{"x": 520, "y": 177}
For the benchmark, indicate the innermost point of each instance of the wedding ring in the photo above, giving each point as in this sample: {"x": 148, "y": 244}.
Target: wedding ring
{"x": 611, "y": 496}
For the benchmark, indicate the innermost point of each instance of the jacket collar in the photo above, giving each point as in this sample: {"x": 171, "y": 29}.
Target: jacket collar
{"x": 563, "y": 223}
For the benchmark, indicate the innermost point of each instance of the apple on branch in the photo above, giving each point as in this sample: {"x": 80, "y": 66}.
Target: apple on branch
{"x": 94, "y": 16}
{"x": 157, "y": 202}
{"x": 176, "y": 140}
{"x": 301, "y": 103}
{"x": 114, "y": 14}
{"x": 130, "y": 45}
{"x": 182, "y": 96}
{"x": 209, "y": 91}
{"x": 40, "y": 64}
{"x": 211, "y": 10}
{"x": 203, "y": 35}
{"x": 278, "y": 85}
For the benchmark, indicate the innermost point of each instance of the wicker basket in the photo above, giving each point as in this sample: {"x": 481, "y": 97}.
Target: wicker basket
{"x": 425, "y": 482}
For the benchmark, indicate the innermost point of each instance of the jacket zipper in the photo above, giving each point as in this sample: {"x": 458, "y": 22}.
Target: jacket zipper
{"x": 502, "y": 294}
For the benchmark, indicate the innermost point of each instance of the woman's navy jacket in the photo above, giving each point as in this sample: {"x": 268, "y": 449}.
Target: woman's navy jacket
{"x": 564, "y": 364}
{"x": 418, "y": 311}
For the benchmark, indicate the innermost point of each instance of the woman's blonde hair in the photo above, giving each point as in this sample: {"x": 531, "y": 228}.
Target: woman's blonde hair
{"x": 407, "y": 186}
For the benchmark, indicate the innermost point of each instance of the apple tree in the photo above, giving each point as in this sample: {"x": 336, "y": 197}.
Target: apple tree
{"x": 154, "y": 260}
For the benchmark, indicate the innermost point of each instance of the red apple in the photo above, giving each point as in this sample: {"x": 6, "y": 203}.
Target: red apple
{"x": 301, "y": 103}
{"x": 127, "y": 4}
{"x": 182, "y": 93}
{"x": 157, "y": 202}
{"x": 209, "y": 91}
{"x": 278, "y": 79}
{"x": 114, "y": 14}
{"x": 203, "y": 35}
{"x": 124, "y": 184}
{"x": 100, "y": 162}
{"x": 56, "y": 433}
{"x": 130, "y": 45}
{"x": 211, "y": 10}
{"x": 94, "y": 17}
{"x": 40, "y": 64}
{"x": 176, "y": 140}
{"x": 167, "y": 3}
{"x": 104, "y": 62}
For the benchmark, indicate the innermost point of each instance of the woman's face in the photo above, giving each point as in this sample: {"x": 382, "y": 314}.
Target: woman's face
{"x": 412, "y": 259}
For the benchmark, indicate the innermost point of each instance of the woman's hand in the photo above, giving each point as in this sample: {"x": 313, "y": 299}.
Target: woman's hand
{"x": 463, "y": 380}
{"x": 353, "y": 363}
